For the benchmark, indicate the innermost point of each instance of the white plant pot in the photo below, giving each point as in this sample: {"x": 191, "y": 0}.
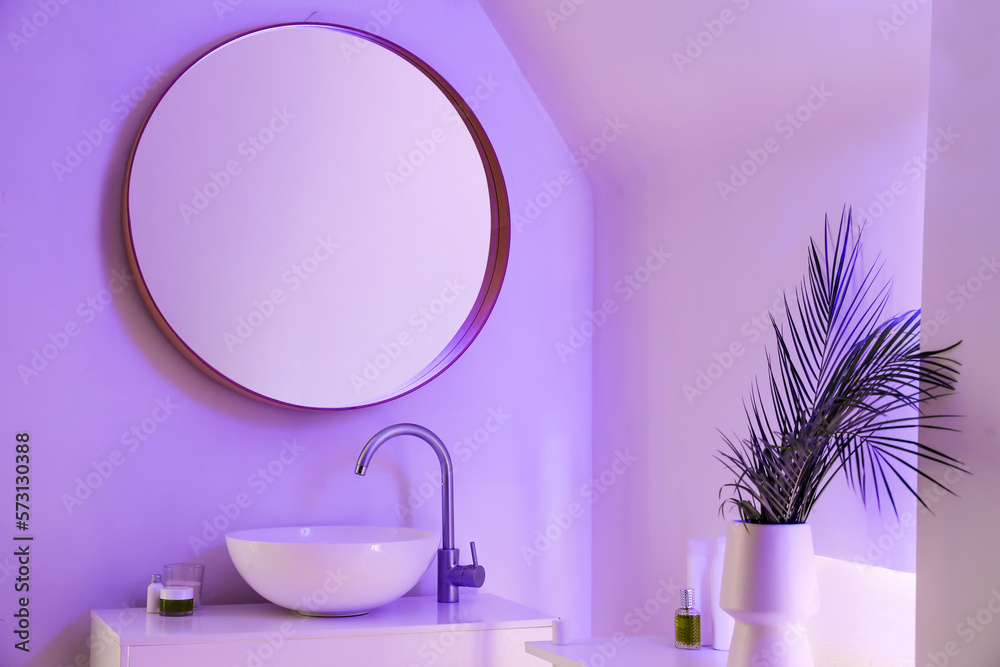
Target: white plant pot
{"x": 769, "y": 587}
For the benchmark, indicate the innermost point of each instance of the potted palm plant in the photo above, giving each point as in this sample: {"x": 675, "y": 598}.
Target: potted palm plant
{"x": 844, "y": 395}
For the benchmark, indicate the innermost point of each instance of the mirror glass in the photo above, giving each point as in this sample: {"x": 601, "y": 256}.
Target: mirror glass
{"x": 315, "y": 218}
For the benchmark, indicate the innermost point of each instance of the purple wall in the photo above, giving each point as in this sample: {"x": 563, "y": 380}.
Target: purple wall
{"x": 815, "y": 106}
{"x": 135, "y": 454}
{"x": 616, "y": 299}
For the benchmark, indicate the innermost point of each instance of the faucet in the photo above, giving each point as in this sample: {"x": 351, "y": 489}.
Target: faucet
{"x": 451, "y": 575}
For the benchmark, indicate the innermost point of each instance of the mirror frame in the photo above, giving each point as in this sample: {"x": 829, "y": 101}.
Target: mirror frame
{"x": 499, "y": 248}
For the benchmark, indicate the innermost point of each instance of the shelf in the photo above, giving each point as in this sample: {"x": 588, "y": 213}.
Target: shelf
{"x": 625, "y": 652}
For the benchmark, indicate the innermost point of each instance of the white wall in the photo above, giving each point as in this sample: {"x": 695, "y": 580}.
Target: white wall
{"x": 958, "y": 560}
{"x": 61, "y": 245}
{"x": 688, "y": 123}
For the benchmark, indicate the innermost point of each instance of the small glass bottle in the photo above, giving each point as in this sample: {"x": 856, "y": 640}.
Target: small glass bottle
{"x": 153, "y": 595}
{"x": 687, "y": 622}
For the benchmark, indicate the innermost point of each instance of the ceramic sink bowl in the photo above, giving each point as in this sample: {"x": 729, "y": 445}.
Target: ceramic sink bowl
{"x": 332, "y": 570}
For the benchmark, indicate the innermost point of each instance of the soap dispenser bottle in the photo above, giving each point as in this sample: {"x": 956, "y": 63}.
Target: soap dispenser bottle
{"x": 687, "y": 622}
{"x": 153, "y": 595}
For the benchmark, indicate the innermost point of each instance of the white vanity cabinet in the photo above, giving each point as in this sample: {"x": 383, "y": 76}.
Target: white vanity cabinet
{"x": 481, "y": 630}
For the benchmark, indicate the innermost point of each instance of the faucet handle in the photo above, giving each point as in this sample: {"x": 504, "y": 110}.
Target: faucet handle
{"x": 470, "y": 576}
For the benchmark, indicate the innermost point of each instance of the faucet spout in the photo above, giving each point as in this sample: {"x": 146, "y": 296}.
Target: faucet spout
{"x": 447, "y": 490}
{"x": 451, "y": 575}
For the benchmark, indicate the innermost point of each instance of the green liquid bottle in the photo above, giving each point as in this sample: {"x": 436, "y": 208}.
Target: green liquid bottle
{"x": 687, "y": 622}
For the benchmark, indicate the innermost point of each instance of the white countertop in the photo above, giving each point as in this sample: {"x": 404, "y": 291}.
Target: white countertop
{"x": 641, "y": 651}
{"x": 247, "y": 621}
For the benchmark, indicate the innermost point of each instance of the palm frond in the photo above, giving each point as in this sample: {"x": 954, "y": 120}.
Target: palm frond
{"x": 844, "y": 388}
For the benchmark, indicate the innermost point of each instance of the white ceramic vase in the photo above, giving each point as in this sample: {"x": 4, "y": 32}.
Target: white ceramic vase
{"x": 769, "y": 587}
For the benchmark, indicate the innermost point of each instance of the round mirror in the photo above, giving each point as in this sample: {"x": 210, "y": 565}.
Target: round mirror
{"x": 315, "y": 218}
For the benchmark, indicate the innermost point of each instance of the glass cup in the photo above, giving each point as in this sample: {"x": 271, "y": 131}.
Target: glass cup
{"x": 185, "y": 574}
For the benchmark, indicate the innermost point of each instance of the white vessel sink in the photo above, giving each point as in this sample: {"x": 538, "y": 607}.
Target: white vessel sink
{"x": 332, "y": 570}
